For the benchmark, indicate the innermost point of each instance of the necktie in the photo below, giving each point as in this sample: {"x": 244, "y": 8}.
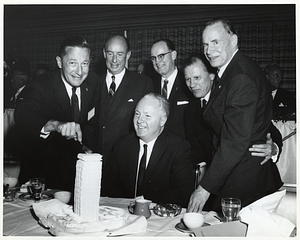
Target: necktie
{"x": 112, "y": 88}
{"x": 216, "y": 81}
{"x": 203, "y": 103}
{"x": 164, "y": 90}
{"x": 75, "y": 105}
{"x": 142, "y": 170}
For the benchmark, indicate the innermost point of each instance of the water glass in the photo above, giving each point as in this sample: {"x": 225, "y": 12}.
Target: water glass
{"x": 36, "y": 188}
{"x": 231, "y": 208}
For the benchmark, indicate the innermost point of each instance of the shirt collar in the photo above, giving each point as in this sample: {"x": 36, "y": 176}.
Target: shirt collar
{"x": 222, "y": 69}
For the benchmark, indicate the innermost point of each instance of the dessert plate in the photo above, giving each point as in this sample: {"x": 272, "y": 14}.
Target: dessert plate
{"x": 45, "y": 197}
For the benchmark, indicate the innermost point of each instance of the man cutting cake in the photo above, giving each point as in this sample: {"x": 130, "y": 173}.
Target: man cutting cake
{"x": 58, "y": 109}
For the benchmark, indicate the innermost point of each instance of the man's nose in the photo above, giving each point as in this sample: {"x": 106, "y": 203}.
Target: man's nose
{"x": 79, "y": 70}
{"x": 114, "y": 58}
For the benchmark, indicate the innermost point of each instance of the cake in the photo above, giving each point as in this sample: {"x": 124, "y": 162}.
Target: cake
{"x": 88, "y": 186}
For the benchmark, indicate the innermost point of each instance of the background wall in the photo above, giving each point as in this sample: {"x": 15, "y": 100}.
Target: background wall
{"x": 266, "y": 32}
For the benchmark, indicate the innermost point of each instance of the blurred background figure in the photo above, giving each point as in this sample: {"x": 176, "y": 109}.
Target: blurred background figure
{"x": 40, "y": 69}
{"x": 284, "y": 102}
{"x": 141, "y": 68}
{"x": 16, "y": 60}
{"x": 19, "y": 79}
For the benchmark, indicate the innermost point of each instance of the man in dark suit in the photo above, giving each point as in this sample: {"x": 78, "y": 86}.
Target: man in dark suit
{"x": 239, "y": 113}
{"x": 199, "y": 76}
{"x": 162, "y": 170}
{"x": 120, "y": 91}
{"x": 284, "y": 102}
{"x": 170, "y": 84}
{"x": 58, "y": 109}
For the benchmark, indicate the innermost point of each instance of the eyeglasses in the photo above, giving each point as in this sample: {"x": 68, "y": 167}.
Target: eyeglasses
{"x": 159, "y": 57}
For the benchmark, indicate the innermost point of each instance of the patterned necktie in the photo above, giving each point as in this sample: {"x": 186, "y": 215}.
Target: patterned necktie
{"x": 142, "y": 170}
{"x": 112, "y": 88}
{"x": 75, "y": 105}
{"x": 164, "y": 90}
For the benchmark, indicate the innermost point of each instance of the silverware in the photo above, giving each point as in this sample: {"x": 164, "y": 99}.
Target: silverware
{"x": 83, "y": 147}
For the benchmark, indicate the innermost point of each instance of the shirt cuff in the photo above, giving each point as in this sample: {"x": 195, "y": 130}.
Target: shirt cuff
{"x": 275, "y": 157}
{"x": 44, "y": 134}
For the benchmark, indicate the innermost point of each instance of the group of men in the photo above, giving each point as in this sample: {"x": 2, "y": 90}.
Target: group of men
{"x": 150, "y": 140}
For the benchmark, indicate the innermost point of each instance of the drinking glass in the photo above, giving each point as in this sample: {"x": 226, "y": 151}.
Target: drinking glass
{"x": 36, "y": 188}
{"x": 231, "y": 208}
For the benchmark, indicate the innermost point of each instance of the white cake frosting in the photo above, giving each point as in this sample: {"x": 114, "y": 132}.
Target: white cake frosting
{"x": 88, "y": 186}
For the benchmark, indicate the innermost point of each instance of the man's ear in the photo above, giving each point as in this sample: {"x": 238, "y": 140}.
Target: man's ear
{"x": 234, "y": 40}
{"x": 128, "y": 54}
{"x": 58, "y": 61}
{"x": 163, "y": 120}
{"x": 212, "y": 76}
{"x": 174, "y": 55}
{"x": 104, "y": 53}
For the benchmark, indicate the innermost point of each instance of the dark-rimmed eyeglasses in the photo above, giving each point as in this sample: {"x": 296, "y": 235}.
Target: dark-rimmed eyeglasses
{"x": 159, "y": 57}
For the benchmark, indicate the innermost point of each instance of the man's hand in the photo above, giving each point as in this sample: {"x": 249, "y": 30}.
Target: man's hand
{"x": 198, "y": 200}
{"x": 68, "y": 129}
{"x": 266, "y": 150}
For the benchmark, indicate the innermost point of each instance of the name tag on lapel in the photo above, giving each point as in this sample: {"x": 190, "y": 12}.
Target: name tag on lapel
{"x": 91, "y": 114}
{"x": 182, "y": 102}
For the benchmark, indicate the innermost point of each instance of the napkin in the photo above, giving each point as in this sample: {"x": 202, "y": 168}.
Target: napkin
{"x": 62, "y": 221}
{"x": 262, "y": 219}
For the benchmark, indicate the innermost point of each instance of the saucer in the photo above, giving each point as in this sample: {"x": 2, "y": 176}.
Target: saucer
{"x": 26, "y": 197}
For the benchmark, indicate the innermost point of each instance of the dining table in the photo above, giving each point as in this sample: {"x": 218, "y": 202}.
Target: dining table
{"x": 19, "y": 219}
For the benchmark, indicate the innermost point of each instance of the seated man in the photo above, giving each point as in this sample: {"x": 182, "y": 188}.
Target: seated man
{"x": 167, "y": 174}
{"x": 284, "y": 102}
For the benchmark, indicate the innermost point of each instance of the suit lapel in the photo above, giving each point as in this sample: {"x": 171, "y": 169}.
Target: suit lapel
{"x": 85, "y": 100}
{"x": 61, "y": 95}
{"x": 157, "y": 152}
{"x": 133, "y": 160}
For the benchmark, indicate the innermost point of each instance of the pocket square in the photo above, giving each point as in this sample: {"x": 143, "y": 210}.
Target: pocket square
{"x": 281, "y": 105}
{"x": 91, "y": 114}
{"x": 130, "y": 100}
{"x": 182, "y": 102}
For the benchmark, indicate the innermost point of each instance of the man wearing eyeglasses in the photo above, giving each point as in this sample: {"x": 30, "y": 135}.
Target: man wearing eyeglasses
{"x": 170, "y": 84}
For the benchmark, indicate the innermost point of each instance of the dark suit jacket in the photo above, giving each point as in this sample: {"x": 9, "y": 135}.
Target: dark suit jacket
{"x": 179, "y": 99}
{"x": 116, "y": 114}
{"x": 169, "y": 174}
{"x": 239, "y": 111}
{"x": 198, "y": 133}
{"x": 46, "y": 99}
{"x": 284, "y": 103}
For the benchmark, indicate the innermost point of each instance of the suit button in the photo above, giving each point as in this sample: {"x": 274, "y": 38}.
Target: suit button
{"x": 103, "y": 127}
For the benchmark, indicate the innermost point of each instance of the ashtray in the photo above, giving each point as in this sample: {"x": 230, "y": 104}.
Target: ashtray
{"x": 167, "y": 210}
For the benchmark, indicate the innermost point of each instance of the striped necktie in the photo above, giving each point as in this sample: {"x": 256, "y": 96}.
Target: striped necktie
{"x": 164, "y": 90}
{"x": 112, "y": 88}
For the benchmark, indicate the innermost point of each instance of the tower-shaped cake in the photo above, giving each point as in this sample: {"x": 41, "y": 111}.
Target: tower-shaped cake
{"x": 88, "y": 186}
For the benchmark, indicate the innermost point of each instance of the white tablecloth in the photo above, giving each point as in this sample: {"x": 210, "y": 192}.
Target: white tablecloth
{"x": 287, "y": 161}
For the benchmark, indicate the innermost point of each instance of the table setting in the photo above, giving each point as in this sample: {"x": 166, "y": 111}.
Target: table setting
{"x": 34, "y": 210}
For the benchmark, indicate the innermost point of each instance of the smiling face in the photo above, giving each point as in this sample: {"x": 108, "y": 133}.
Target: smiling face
{"x": 149, "y": 119}
{"x": 198, "y": 80}
{"x": 166, "y": 66}
{"x": 218, "y": 44}
{"x": 116, "y": 54}
{"x": 74, "y": 65}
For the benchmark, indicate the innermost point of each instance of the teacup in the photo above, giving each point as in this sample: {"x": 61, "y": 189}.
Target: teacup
{"x": 193, "y": 220}
{"x": 63, "y": 196}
